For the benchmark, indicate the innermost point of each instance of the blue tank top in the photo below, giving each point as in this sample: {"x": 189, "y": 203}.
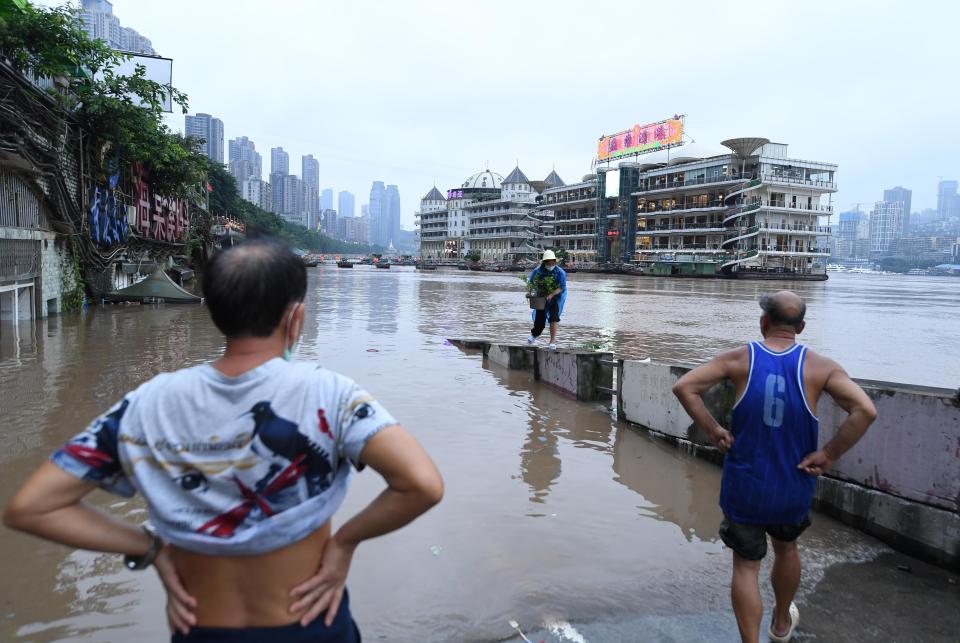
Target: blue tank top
{"x": 773, "y": 431}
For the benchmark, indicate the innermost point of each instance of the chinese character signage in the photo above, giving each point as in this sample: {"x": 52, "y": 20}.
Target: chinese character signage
{"x": 158, "y": 217}
{"x": 454, "y": 194}
{"x": 641, "y": 139}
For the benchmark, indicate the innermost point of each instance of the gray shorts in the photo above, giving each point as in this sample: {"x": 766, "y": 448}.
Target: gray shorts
{"x": 750, "y": 541}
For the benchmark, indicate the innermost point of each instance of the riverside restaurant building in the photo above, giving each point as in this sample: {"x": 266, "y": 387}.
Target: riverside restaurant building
{"x": 749, "y": 211}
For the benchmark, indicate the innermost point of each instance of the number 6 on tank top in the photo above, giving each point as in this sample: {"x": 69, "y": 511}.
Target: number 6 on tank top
{"x": 772, "y": 402}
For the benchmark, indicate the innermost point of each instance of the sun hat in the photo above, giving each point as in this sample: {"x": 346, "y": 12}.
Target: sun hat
{"x": 548, "y": 256}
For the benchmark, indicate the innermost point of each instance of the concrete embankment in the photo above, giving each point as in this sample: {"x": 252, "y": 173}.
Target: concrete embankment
{"x": 900, "y": 483}
{"x": 582, "y": 374}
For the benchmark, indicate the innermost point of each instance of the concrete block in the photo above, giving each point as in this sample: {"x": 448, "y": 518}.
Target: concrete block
{"x": 912, "y": 450}
{"x": 576, "y": 372}
{"x": 471, "y": 344}
{"x": 522, "y": 358}
{"x": 645, "y": 397}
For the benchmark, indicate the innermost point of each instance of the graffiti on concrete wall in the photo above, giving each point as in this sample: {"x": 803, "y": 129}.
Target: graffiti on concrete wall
{"x": 107, "y": 220}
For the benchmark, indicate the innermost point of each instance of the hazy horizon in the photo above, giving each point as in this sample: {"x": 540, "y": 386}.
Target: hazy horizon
{"x": 430, "y": 93}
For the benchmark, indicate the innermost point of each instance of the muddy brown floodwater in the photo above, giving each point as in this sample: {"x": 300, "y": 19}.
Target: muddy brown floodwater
{"x": 556, "y": 514}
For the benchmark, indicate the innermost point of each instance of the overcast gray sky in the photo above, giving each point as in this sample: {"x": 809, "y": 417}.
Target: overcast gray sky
{"x": 414, "y": 93}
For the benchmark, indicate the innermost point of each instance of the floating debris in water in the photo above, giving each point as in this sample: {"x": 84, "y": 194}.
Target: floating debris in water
{"x": 516, "y": 626}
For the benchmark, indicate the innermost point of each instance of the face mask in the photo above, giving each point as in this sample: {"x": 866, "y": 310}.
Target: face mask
{"x": 288, "y": 350}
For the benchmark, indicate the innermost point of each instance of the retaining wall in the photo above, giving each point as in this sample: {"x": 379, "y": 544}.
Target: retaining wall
{"x": 901, "y": 482}
{"x": 582, "y": 374}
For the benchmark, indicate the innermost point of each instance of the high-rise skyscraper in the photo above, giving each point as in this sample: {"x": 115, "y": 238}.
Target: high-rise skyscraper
{"x": 853, "y": 234}
{"x": 257, "y": 192}
{"x": 885, "y": 226}
{"x": 948, "y": 203}
{"x": 392, "y": 214}
{"x": 378, "y": 228}
{"x": 208, "y": 129}
{"x": 292, "y": 199}
{"x": 276, "y": 191}
{"x": 345, "y": 205}
{"x": 330, "y": 227}
{"x": 244, "y": 160}
{"x": 97, "y": 19}
{"x": 326, "y": 199}
{"x": 903, "y": 195}
{"x": 310, "y": 168}
{"x": 279, "y": 161}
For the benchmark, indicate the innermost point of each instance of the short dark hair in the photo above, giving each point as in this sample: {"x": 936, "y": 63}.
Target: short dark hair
{"x": 248, "y": 287}
{"x": 771, "y": 305}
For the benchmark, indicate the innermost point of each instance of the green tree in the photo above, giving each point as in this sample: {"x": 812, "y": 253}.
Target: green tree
{"x": 562, "y": 256}
{"x": 121, "y": 116}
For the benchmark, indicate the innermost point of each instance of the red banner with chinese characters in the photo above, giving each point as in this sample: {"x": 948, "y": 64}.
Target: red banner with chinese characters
{"x": 158, "y": 217}
{"x": 641, "y": 139}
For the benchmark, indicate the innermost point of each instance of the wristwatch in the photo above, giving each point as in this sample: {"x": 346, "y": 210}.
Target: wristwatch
{"x": 136, "y": 563}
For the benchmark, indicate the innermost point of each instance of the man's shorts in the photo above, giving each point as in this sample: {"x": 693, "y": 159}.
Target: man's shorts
{"x": 750, "y": 541}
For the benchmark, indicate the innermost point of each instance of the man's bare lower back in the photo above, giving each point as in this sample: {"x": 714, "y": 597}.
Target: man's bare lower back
{"x": 250, "y": 591}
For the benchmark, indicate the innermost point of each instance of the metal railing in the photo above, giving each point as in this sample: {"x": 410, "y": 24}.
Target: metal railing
{"x": 558, "y": 201}
{"x": 798, "y": 228}
{"x": 709, "y": 205}
{"x": 683, "y": 183}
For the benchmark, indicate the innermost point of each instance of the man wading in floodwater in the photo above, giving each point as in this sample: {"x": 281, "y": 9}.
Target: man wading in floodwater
{"x": 242, "y": 463}
{"x": 548, "y": 268}
{"x": 771, "y": 462}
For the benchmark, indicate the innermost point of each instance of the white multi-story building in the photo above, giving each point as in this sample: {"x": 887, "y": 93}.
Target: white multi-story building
{"x": 755, "y": 210}
{"x": 487, "y": 214}
{"x": 569, "y": 217}
{"x": 886, "y": 225}
{"x": 100, "y": 23}
{"x": 244, "y": 160}
{"x": 503, "y": 229}
{"x": 431, "y": 223}
{"x": 257, "y": 192}
{"x": 310, "y": 170}
{"x": 209, "y": 129}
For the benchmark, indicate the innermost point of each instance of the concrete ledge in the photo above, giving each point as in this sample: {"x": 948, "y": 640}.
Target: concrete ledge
{"x": 922, "y": 531}
{"x": 471, "y": 344}
{"x": 582, "y": 374}
{"x": 577, "y": 372}
{"x": 518, "y": 358}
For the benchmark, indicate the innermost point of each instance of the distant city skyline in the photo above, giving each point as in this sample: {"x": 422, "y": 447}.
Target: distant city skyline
{"x": 415, "y": 140}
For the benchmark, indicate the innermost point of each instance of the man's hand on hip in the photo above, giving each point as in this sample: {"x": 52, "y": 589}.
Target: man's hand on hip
{"x": 816, "y": 463}
{"x": 721, "y": 438}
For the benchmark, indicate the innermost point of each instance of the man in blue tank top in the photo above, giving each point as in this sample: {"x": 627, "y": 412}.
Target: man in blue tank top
{"x": 772, "y": 460}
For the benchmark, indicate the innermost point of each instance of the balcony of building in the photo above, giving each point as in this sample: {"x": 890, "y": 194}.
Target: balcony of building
{"x": 793, "y": 205}
{"x": 668, "y": 183}
{"x": 503, "y": 234}
{"x": 796, "y": 228}
{"x": 826, "y": 185}
{"x": 586, "y": 234}
{"x": 686, "y": 228}
{"x": 568, "y": 194}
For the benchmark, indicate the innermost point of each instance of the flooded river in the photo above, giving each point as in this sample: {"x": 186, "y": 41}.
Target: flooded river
{"x": 555, "y": 512}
